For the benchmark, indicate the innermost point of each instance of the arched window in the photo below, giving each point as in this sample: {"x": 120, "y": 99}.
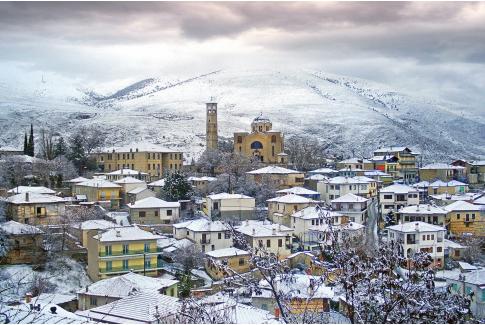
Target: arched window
{"x": 273, "y": 139}
{"x": 256, "y": 145}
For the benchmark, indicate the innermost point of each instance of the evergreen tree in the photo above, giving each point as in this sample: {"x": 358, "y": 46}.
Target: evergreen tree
{"x": 26, "y": 144}
{"x": 31, "y": 151}
{"x": 60, "y": 148}
{"x": 176, "y": 187}
{"x": 77, "y": 154}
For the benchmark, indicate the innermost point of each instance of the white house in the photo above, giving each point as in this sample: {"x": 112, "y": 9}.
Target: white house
{"x": 336, "y": 187}
{"x": 154, "y": 211}
{"x": 230, "y": 206}
{"x": 429, "y": 213}
{"x": 301, "y": 191}
{"x": 353, "y": 206}
{"x": 281, "y": 208}
{"x": 208, "y": 235}
{"x": 304, "y": 219}
{"x": 396, "y": 196}
{"x": 420, "y": 237}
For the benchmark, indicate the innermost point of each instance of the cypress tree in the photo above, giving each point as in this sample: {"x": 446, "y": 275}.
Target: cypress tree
{"x": 26, "y": 144}
{"x": 31, "y": 142}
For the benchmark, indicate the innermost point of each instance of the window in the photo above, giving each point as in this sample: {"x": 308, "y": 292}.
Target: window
{"x": 432, "y": 237}
{"x": 227, "y": 235}
{"x": 256, "y": 145}
{"x": 147, "y": 247}
{"x": 387, "y": 197}
{"x": 241, "y": 261}
{"x": 219, "y": 236}
{"x": 268, "y": 243}
{"x": 424, "y": 237}
{"x": 213, "y": 247}
{"x": 264, "y": 306}
{"x": 156, "y": 213}
{"x": 148, "y": 264}
{"x": 109, "y": 265}
{"x": 125, "y": 264}
{"x": 187, "y": 232}
{"x": 142, "y": 214}
{"x": 439, "y": 249}
{"x": 280, "y": 242}
{"x": 169, "y": 213}
{"x": 107, "y": 250}
{"x": 126, "y": 248}
{"x": 93, "y": 301}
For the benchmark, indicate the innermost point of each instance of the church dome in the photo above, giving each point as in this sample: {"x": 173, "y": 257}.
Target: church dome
{"x": 261, "y": 118}
{"x": 261, "y": 124}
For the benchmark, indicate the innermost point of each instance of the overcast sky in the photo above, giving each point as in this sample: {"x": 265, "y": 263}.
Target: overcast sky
{"x": 435, "y": 47}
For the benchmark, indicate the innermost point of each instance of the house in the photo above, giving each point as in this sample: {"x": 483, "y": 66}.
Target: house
{"x": 227, "y": 262}
{"x": 128, "y": 184}
{"x": 104, "y": 192}
{"x": 471, "y": 285}
{"x": 420, "y": 236}
{"x": 387, "y": 164}
{"x": 465, "y": 218}
{"x": 440, "y": 171}
{"x": 338, "y": 186}
{"x": 454, "y": 250}
{"x": 352, "y": 206}
{"x": 303, "y": 219}
{"x": 157, "y": 186}
{"x": 396, "y": 196}
{"x": 281, "y": 177}
{"x": 31, "y": 189}
{"x": 34, "y": 208}
{"x": 380, "y": 177}
{"x": 145, "y": 307}
{"x": 304, "y": 293}
{"x": 311, "y": 181}
{"x": 476, "y": 172}
{"x": 125, "y": 172}
{"x": 301, "y": 191}
{"x": 154, "y": 211}
{"x": 208, "y": 235}
{"x": 445, "y": 199}
{"x": 24, "y": 314}
{"x": 422, "y": 188}
{"x": 355, "y": 163}
{"x": 121, "y": 250}
{"x": 69, "y": 183}
{"x": 150, "y": 159}
{"x": 225, "y": 206}
{"x": 21, "y": 243}
{"x": 263, "y": 236}
{"x": 323, "y": 235}
{"x": 112, "y": 289}
{"x": 80, "y": 230}
{"x": 349, "y": 172}
{"x": 450, "y": 187}
{"x": 406, "y": 168}
{"x": 262, "y": 143}
{"x": 138, "y": 194}
{"x": 201, "y": 184}
{"x": 429, "y": 213}
{"x": 281, "y": 208}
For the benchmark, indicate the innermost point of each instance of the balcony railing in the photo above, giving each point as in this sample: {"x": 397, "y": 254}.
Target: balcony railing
{"x": 135, "y": 268}
{"x": 205, "y": 241}
{"x": 131, "y": 252}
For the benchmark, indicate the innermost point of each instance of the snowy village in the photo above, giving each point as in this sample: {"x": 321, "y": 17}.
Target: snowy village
{"x": 316, "y": 162}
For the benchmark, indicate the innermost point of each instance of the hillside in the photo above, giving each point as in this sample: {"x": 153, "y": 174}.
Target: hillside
{"x": 354, "y": 115}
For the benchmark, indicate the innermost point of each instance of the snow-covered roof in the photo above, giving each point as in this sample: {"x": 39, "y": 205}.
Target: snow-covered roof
{"x": 467, "y": 266}
{"x": 382, "y": 157}
{"x": 349, "y": 180}
{"x": 478, "y": 163}
{"x": 421, "y": 184}
{"x": 24, "y": 315}
{"x": 317, "y": 177}
{"x": 324, "y": 227}
{"x": 129, "y": 180}
{"x": 153, "y": 202}
{"x": 142, "y": 147}
{"x": 476, "y": 277}
{"x": 126, "y": 285}
{"x": 416, "y": 226}
{"x": 9, "y": 148}
{"x": 97, "y": 224}
{"x": 462, "y": 206}
{"x": 226, "y": 196}
{"x": 227, "y": 252}
{"x": 398, "y": 189}
{"x": 291, "y": 199}
{"x": 127, "y": 171}
{"x": 34, "y": 198}
{"x": 315, "y": 212}
{"x": 139, "y": 190}
{"x": 142, "y": 307}
{"x": 440, "y": 183}
{"x": 438, "y": 166}
{"x": 31, "y": 189}
{"x": 77, "y": 180}
{"x": 350, "y": 170}
{"x": 375, "y": 173}
{"x": 17, "y": 228}
{"x": 201, "y": 179}
{"x": 263, "y": 229}
{"x": 456, "y": 197}
{"x": 274, "y": 170}
{"x": 480, "y": 200}
{"x": 422, "y": 209}
{"x": 125, "y": 234}
{"x": 98, "y": 183}
{"x": 298, "y": 191}
{"x": 159, "y": 183}
{"x": 53, "y": 298}
{"x": 202, "y": 225}
{"x": 451, "y": 244}
{"x": 120, "y": 217}
{"x": 323, "y": 171}
{"x": 355, "y": 160}
{"x": 349, "y": 198}
{"x": 297, "y": 286}
{"x": 393, "y": 149}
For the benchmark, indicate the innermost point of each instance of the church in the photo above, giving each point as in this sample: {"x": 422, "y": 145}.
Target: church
{"x": 264, "y": 143}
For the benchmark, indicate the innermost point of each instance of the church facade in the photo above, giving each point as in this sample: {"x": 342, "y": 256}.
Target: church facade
{"x": 262, "y": 143}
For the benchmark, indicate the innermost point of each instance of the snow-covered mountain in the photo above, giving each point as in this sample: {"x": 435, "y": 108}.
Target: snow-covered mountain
{"x": 354, "y": 115}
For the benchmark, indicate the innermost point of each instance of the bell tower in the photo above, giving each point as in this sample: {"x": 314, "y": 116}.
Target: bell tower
{"x": 211, "y": 126}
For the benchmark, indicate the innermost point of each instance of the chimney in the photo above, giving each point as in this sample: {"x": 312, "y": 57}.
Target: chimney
{"x": 118, "y": 233}
{"x": 53, "y": 309}
{"x": 26, "y": 196}
{"x": 254, "y": 231}
{"x": 429, "y": 207}
{"x": 416, "y": 226}
{"x": 417, "y": 207}
{"x": 28, "y": 297}
{"x": 274, "y": 231}
{"x": 87, "y": 288}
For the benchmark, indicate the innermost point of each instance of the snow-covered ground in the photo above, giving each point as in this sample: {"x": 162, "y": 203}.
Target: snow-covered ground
{"x": 350, "y": 113}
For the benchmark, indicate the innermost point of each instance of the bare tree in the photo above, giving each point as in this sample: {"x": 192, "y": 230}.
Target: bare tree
{"x": 46, "y": 144}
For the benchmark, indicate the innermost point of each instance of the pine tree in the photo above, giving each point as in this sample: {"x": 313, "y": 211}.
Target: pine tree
{"x": 60, "y": 149}
{"x": 77, "y": 154}
{"x": 31, "y": 151}
{"x": 26, "y": 144}
{"x": 176, "y": 187}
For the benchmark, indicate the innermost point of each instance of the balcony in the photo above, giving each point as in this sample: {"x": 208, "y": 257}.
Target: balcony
{"x": 469, "y": 220}
{"x": 130, "y": 252}
{"x": 135, "y": 268}
{"x": 205, "y": 241}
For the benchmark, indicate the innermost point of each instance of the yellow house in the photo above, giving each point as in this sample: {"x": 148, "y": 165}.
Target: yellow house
{"x": 465, "y": 218}
{"x": 281, "y": 208}
{"x": 405, "y": 166}
{"x": 451, "y": 187}
{"x": 151, "y": 159}
{"x": 108, "y": 290}
{"x": 34, "y": 208}
{"x": 476, "y": 172}
{"x": 99, "y": 190}
{"x": 262, "y": 143}
{"x": 81, "y": 230}
{"x": 227, "y": 262}
{"x": 121, "y": 250}
{"x": 281, "y": 177}
{"x": 431, "y": 172}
